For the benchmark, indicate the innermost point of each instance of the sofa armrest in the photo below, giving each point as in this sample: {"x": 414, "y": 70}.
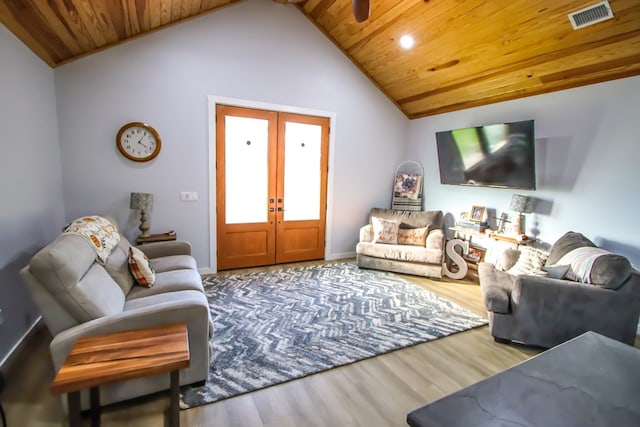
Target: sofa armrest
{"x": 366, "y": 233}
{"x": 191, "y": 308}
{"x": 160, "y": 249}
{"x": 496, "y": 288}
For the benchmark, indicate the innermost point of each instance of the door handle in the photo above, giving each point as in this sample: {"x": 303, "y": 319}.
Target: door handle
{"x": 279, "y": 200}
{"x": 271, "y": 209}
{"x": 271, "y": 200}
{"x": 279, "y": 209}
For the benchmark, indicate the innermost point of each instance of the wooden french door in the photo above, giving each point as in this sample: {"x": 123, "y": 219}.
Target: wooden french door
{"x": 271, "y": 190}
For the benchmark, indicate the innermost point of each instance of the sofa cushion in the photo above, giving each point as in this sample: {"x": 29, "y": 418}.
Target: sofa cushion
{"x": 117, "y": 265}
{"x": 169, "y": 281}
{"x": 384, "y": 230}
{"x": 415, "y": 219}
{"x": 140, "y": 268}
{"x": 66, "y": 268}
{"x": 173, "y": 262}
{"x": 400, "y": 252}
{"x": 596, "y": 266}
{"x": 611, "y": 271}
{"x": 413, "y": 236}
{"x": 567, "y": 242}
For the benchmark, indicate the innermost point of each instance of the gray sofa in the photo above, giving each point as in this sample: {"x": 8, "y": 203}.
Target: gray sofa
{"x": 78, "y": 296}
{"x": 544, "y": 311}
{"x": 423, "y": 260}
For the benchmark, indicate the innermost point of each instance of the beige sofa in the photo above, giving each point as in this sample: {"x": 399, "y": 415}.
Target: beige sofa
{"x": 78, "y": 296}
{"x": 425, "y": 260}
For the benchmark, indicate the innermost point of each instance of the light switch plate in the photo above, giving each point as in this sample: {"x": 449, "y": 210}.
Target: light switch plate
{"x": 189, "y": 196}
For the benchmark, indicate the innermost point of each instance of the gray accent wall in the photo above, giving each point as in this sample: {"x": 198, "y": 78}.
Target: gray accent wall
{"x": 587, "y": 154}
{"x": 32, "y": 211}
{"x": 256, "y": 50}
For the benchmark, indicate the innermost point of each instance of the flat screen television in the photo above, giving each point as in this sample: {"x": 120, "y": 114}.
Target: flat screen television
{"x": 500, "y": 155}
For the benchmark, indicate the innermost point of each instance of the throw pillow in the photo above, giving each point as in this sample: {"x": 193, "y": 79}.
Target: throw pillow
{"x": 100, "y": 232}
{"x": 556, "y": 271}
{"x": 384, "y": 230}
{"x": 413, "y": 236}
{"x": 508, "y": 259}
{"x": 140, "y": 268}
{"x": 529, "y": 261}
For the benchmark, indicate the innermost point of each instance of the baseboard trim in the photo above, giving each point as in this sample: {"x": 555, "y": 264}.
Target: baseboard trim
{"x": 343, "y": 255}
{"x": 331, "y": 257}
{"x": 12, "y": 355}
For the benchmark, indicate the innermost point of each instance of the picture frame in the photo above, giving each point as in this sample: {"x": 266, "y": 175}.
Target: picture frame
{"x": 475, "y": 254}
{"x": 477, "y": 213}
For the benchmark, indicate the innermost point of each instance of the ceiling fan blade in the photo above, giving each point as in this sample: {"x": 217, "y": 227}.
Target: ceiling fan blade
{"x": 360, "y": 10}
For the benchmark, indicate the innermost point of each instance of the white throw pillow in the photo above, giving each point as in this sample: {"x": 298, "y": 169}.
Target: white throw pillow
{"x": 530, "y": 261}
{"x": 384, "y": 230}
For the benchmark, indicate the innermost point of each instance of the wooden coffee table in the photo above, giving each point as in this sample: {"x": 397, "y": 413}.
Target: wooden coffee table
{"x": 102, "y": 359}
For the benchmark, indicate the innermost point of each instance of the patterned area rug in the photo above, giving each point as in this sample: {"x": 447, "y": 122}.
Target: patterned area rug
{"x": 272, "y": 327}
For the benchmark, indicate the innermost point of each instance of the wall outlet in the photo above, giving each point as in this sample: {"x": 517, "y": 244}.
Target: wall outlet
{"x": 189, "y": 196}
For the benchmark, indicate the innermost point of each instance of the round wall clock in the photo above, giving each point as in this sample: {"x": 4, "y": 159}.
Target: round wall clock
{"x": 138, "y": 141}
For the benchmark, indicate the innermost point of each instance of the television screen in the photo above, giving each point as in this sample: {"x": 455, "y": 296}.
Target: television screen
{"x": 500, "y": 155}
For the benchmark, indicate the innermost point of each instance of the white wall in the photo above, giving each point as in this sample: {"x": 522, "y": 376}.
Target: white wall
{"x": 587, "y": 152}
{"x": 256, "y": 50}
{"x": 32, "y": 211}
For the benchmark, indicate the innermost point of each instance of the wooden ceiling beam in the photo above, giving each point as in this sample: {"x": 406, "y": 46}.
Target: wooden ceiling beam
{"x": 526, "y": 63}
{"x": 521, "y": 94}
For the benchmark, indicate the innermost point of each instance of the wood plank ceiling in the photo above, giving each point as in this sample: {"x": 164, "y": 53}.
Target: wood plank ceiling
{"x": 467, "y": 53}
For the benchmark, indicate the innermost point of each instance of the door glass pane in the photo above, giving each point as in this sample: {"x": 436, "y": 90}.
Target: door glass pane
{"x": 246, "y": 170}
{"x": 302, "y": 157}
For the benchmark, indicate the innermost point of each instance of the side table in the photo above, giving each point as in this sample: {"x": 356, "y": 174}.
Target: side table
{"x": 163, "y": 237}
{"x": 101, "y": 359}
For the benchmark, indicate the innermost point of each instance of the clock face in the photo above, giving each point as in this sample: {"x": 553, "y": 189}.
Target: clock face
{"x": 138, "y": 142}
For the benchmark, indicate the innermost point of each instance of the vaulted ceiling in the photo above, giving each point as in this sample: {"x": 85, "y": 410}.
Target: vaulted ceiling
{"x": 467, "y": 53}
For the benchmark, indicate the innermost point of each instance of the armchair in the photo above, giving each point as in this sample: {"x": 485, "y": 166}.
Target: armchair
{"x": 545, "y": 311}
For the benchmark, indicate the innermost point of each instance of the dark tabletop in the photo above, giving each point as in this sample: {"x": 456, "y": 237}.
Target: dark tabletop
{"x": 588, "y": 381}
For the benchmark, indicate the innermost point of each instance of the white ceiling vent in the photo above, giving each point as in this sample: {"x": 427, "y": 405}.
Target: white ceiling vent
{"x": 591, "y": 15}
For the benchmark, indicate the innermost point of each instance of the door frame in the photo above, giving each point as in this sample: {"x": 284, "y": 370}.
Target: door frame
{"x": 212, "y": 102}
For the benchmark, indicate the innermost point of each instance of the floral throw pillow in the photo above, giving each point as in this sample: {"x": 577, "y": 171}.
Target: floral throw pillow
{"x": 413, "y": 236}
{"x": 384, "y": 230}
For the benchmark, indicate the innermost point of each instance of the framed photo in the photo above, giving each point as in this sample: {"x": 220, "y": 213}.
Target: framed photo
{"x": 475, "y": 254}
{"x": 476, "y": 214}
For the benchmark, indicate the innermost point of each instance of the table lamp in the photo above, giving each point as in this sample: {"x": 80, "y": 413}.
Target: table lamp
{"x": 520, "y": 204}
{"x": 142, "y": 202}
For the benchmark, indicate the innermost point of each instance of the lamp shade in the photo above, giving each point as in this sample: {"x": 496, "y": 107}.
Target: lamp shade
{"x": 520, "y": 203}
{"x": 141, "y": 201}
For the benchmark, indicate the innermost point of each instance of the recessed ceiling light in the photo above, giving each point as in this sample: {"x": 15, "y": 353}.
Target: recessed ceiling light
{"x": 406, "y": 41}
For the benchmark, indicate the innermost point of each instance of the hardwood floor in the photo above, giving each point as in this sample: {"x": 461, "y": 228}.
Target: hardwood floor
{"x": 377, "y": 392}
